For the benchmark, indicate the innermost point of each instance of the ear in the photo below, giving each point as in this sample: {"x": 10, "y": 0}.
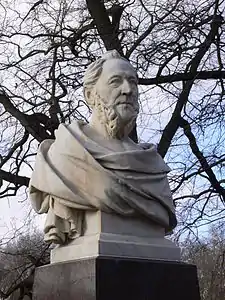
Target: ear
{"x": 88, "y": 96}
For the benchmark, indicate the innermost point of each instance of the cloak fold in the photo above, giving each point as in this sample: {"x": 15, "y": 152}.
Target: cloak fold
{"x": 78, "y": 172}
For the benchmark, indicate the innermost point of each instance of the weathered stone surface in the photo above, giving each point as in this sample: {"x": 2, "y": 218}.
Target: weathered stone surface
{"x": 116, "y": 236}
{"x": 96, "y": 166}
{"x": 116, "y": 279}
{"x": 65, "y": 281}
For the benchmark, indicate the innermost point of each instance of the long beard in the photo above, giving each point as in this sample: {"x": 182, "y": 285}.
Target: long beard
{"x": 117, "y": 125}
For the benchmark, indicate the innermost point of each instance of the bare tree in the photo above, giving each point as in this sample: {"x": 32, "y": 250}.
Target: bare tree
{"x": 209, "y": 256}
{"x": 178, "y": 49}
{"x": 19, "y": 258}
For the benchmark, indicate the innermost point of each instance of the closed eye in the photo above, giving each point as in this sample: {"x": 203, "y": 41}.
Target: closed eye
{"x": 133, "y": 80}
{"x": 115, "y": 80}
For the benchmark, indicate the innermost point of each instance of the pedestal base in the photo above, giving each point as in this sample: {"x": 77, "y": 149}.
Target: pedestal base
{"x": 112, "y": 235}
{"x": 114, "y": 278}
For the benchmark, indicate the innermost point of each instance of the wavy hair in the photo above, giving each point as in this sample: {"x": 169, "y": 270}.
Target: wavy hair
{"x": 94, "y": 70}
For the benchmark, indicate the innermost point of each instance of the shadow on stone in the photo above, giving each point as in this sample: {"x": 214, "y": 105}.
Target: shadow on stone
{"x": 104, "y": 278}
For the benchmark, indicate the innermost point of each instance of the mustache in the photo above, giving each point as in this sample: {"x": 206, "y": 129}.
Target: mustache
{"x": 121, "y": 99}
{"x": 125, "y": 100}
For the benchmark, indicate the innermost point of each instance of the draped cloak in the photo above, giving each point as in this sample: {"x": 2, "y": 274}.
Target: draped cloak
{"x": 78, "y": 171}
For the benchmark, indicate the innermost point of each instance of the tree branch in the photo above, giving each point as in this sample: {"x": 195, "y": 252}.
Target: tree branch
{"x": 172, "y": 126}
{"x": 33, "y": 8}
{"x": 105, "y": 29}
{"x": 30, "y": 122}
{"x": 205, "y": 166}
{"x": 13, "y": 148}
{"x": 149, "y": 30}
{"x": 14, "y": 178}
{"x": 204, "y": 75}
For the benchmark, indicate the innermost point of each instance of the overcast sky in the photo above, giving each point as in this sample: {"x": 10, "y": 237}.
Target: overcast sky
{"x": 17, "y": 216}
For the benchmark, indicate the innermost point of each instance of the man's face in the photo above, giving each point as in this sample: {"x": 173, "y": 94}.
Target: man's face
{"x": 117, "y": 88}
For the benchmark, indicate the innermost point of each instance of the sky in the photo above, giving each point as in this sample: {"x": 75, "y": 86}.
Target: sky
{"x": 17, "y": 216}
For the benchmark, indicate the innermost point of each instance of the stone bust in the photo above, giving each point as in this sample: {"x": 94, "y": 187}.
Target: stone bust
{"x": 96, "y": 166}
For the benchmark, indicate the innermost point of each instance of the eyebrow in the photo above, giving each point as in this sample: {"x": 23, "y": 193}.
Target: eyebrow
{"x": 118, "y": 75}
{"x": 115, "y": 76}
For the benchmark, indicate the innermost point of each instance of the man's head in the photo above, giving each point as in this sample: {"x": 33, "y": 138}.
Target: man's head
{"x": 110, "y": 89}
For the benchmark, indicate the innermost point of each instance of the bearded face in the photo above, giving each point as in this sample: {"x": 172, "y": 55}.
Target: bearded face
{"x": 118, "y": 118}
{"x": 115, "y": 97}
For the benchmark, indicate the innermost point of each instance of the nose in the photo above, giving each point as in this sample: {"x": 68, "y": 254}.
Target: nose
{"x": 126, "y": 88}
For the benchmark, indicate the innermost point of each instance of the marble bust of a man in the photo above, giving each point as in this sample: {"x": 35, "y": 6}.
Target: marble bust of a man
{"x": 96, "y": 166}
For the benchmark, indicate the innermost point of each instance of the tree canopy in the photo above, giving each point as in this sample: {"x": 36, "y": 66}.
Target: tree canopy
{"x": 19, "y": 258}
{"x": 208, "y": 255}
{"x": 178, "y": 50}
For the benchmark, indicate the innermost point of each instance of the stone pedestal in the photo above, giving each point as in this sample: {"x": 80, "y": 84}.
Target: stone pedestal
{"x": 111, "y": 235}
{"x": 117, "y": 258}
{"x": 105, "y": 278}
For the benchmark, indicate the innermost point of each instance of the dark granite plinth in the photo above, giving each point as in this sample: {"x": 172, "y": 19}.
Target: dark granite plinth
{"x": 116, "y": 279}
